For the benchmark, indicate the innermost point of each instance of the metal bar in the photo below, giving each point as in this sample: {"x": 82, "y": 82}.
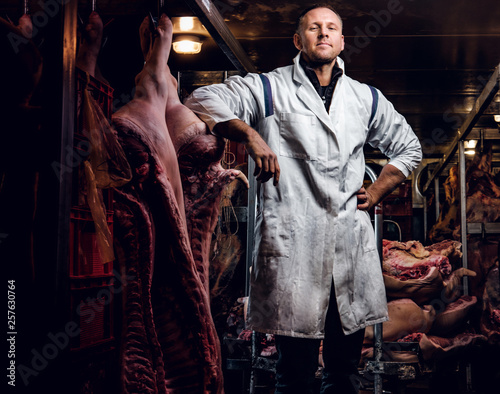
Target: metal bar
{"x": 482, "y": 102}
{"x": 436, "y": 197}
{"x": 377, "y": 329}
{"x": 463, "y": 211}
{"x": 252, "y": 195}
{"x": 425, "y": 218}
{"x": 213, "y": 21}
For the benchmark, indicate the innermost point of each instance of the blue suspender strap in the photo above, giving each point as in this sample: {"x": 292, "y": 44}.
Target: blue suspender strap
{"x": 374, "y": 102}
{"x": 268, "y": 95}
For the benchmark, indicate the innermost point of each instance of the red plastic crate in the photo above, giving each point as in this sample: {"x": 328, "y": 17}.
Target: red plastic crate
{"x": 85, "y": 259}
{"x": 102, "y": 93}
{"x": 92, "y": 310}
{"x": 398, "y": 207}
{"x": 401, "y": 191}
{"x": 91, "y": 323}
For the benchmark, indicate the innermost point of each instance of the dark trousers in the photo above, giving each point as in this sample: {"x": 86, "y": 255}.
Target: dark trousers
{"x": 298, "y": 359}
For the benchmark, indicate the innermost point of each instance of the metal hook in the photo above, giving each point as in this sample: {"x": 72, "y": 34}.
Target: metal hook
{"x": 26, "y": 8}
{"x": 93, "y": 5}
{"x": 161, "y": 5}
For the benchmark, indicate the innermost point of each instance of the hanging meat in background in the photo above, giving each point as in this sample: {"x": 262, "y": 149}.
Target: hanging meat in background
{"x": 483, "y": 206}
{"x": 424, "y": 284}
{"x": 165, "y": 218}
{"x": 89, "y": 46}
{"x": 21, "y": 70}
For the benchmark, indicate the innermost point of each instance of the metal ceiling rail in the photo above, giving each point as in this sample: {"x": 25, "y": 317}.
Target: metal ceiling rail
{"x": 482, "y": 102}
{"x": 211, "y": 18}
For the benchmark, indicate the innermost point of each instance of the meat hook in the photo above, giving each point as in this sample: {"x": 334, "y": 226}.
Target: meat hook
{"x": 26, "y": 8}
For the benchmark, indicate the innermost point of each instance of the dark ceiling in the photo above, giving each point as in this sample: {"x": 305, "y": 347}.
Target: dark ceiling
{"x": 431, "y": 58}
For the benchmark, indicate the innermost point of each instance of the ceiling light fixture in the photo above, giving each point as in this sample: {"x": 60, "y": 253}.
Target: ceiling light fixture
{"x": 470, "y": 144}
{"x": 188, "y": 31}
{"x": 187, "y": 44}
{"x": 496, "y": 115}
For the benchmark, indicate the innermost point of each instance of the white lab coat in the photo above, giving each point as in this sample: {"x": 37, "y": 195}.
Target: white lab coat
{"x": 308, "y": 229}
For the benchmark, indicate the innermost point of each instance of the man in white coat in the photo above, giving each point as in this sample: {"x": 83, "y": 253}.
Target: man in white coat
{"x": 316, "y": 271}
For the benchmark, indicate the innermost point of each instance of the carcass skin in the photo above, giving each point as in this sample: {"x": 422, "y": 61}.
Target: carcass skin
{"x": 90, "y": 45}
{"x": 405, "y": 317}
{"x": 429, "y": 287}
{"x": 437, "y": 348}
{"x": 164, "y": 220}
{"x": 454, "y": 315}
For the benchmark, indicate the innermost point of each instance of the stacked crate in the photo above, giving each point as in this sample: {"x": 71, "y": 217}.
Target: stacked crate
{"x": 91, "y": 280}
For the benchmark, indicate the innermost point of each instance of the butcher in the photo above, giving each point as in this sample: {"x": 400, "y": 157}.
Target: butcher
{"x": 316, "y": 271}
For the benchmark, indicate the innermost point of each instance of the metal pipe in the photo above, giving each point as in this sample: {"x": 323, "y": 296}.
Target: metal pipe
{"x": 425, "y": 218}
{"x": 377, "y": 329}
{"x": 251, "y": 205}
{"x": 379, "y": 222}
{"x": 463, "y": 212}
{"x": 436, "y": 197}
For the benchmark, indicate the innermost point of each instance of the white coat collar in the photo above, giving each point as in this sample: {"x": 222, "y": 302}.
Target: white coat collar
{"x": 308, "y": 95}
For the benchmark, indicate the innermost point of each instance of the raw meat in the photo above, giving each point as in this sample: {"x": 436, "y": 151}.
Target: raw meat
{"x": 410, "y": 260}
{"x": 164, "y": 220}
{"x": 422, "y": 273}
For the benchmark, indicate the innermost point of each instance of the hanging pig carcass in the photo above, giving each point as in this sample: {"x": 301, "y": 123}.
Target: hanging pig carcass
{"x": 163, "y": 221}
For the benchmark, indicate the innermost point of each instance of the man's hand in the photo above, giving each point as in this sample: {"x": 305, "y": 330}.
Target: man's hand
{"x": 364, "y": 199}
{"x": 386, "y": 182}
{"x": 266, "y": 161}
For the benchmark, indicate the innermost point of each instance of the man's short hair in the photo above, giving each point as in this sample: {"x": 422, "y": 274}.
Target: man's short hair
{"x": 313, "y": 7}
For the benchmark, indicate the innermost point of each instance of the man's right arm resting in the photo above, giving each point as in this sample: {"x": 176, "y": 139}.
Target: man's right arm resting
{"x": 266, "y": 161}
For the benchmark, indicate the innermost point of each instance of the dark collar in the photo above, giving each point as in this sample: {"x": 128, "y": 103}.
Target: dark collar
{"x": 336, "y": 73}
{"x": 325, "y": 92}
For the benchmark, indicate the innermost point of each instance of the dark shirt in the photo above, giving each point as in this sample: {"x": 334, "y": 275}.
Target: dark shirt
{"x": 325, "y": 92}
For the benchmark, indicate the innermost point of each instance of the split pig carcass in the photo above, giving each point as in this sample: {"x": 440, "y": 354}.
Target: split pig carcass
{"x": 164, "y": 217}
